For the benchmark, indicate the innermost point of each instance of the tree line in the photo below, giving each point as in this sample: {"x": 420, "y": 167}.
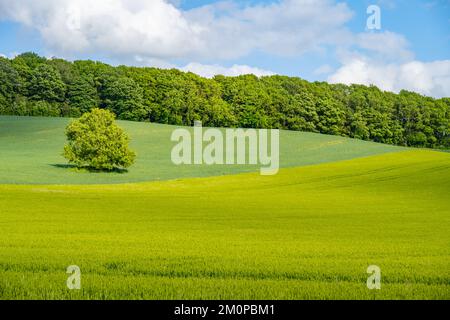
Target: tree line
{"x": 35, "y": 86}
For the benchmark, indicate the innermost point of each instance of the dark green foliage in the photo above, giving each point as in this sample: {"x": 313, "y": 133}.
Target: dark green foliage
{"x": 124, "y": 97}
{"x": 31, "y": 59}
{"x": 82, "y": 94}
{"x": 31, "y": 85}
{"x": 46, "y": 84}
{"x": 10, "y": 81}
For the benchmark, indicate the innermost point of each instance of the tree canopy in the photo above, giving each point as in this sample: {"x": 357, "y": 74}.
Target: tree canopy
{"x": 32, "y": 85}
{"x": 96, "y": 142}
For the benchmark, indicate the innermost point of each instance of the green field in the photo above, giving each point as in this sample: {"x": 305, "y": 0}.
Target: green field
{"x": 31, "y": 151}
{"x": 309, "y": 232}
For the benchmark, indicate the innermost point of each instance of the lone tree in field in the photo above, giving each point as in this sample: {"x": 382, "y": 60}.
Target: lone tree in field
{"x": 96, "y": 142}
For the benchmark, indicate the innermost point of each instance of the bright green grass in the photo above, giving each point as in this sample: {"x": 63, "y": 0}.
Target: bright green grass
{"x": 307, "y": 233}
{"x": 30, "y": 153}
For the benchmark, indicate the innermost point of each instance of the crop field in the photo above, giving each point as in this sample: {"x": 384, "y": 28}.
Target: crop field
{"x": 336, "y": 207}
{"x": 31, "y": 153}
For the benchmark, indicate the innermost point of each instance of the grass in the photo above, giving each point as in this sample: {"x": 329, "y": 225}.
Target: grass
{"x": 306, "y": 233}
{"x": 31, "y": 148}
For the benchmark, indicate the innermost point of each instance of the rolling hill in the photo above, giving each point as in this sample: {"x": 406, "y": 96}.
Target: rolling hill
{"x": 31, "y": 149}
{"x": 310, "y": 232}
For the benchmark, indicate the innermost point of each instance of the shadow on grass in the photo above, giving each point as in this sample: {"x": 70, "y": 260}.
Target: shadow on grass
{"x": 88, "y": 169}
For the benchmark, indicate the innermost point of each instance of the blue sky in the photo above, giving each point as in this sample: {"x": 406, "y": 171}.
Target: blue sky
{"x": 327, "y": 40}
{"x": 426, "y": 24}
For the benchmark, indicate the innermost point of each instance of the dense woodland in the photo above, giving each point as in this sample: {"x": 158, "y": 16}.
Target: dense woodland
{"x": 32, "y": 85}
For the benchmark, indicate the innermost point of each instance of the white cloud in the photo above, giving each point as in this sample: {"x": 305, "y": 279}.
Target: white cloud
{"x": 10, "y": 55}
{"x": 210, "y": 71}
{"x": 383, "y": 59}
{"x": 386, "y": 45}
{"x": 323, "y": 69}
{"x": 117, "y": 27}
{"x": 158, "y": 29}
{"x": 288, "y": 27}
{"x": 145, "y": 62}
{"x": 429, "y": 78}
{"x": 159, "y": 32}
